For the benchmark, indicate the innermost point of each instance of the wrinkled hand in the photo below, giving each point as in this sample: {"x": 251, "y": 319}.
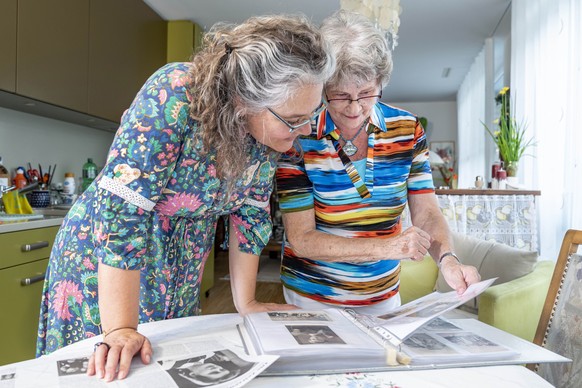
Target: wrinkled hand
{"x": 255, "y": 307}
{"x": 124, "y": 344}
{"x": 412, "y": 244}
{"x": 457, "y": 275}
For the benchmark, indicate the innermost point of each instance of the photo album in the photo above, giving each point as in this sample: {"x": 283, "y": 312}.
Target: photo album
{"x": 316, "y": 341}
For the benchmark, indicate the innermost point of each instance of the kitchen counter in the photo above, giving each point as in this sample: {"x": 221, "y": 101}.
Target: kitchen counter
{"x": 52, "y": 217}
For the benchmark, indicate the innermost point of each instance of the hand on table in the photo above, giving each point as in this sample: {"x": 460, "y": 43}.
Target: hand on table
{"x": 457, "y": 275}
{"x": 255, "y": 307}
{"x": 117, "y": 350}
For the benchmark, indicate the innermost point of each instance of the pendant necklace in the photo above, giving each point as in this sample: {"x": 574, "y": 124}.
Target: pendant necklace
{"x": 349, "y": 147}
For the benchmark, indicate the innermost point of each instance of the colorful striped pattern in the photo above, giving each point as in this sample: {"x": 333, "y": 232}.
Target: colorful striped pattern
{"x": 348, "y": 205}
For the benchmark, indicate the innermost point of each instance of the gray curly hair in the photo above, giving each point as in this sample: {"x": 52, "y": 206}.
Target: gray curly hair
{"x": 243, "y": 69}
{"x": 360, "y": 49}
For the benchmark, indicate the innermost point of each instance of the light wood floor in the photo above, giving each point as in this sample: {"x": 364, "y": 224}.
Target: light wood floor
{"x": 219, "y": 300}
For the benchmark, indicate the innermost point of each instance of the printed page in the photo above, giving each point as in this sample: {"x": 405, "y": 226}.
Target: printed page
{"x": 304, "y": 331}
{"x": 441, "y": 341}
{"x": 395, "y": 326}
{"x": 191, "y": 362}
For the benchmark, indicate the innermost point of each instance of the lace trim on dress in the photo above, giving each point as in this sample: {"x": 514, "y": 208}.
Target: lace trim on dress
{"x": 124, "y": 192}
{"x": 255, "y": 203}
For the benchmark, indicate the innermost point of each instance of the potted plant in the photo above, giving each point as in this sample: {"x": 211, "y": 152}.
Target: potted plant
{"x": 510, "y": 137}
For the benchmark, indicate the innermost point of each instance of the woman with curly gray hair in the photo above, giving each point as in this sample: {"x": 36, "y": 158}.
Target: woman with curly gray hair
{"x": 200, "y": 140}
{"x": 342, "y": 201}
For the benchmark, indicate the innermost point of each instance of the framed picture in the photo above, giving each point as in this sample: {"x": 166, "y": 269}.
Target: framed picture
{"x": 446, "y": 150}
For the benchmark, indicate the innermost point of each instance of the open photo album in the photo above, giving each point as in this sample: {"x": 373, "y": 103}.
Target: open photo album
{"x": 410, "y": 336}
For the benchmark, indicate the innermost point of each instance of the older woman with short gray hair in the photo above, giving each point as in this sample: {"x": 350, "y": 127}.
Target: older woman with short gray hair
{"x": 343, "y": 194}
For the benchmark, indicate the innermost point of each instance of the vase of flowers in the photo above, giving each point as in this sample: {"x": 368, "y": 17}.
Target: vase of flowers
{"x": 510, "y": 136}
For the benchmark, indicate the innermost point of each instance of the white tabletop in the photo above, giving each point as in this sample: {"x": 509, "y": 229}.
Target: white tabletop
{"x": 507, "y": 376}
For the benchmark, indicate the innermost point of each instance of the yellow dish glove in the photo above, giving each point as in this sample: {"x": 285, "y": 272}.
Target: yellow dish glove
{"x": 15, "y": 203}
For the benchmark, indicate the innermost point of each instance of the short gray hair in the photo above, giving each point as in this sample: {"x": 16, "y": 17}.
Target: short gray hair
{"x": 359, "y": 47}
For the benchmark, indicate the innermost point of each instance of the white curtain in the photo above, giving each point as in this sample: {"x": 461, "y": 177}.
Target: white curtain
{"x": 470, "y": 115}
{"x": 546, "y": 89}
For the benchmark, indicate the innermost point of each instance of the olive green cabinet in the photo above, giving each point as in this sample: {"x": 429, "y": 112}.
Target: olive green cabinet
{"x": 127, "y": 44}
{"x": 23, "y": 262}
{"x": 53, "y": 53}
{"x": 88, "y": 56}
{"x": 8, "y": 45}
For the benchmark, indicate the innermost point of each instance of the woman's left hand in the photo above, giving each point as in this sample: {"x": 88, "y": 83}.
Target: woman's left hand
{"x": 255, "y": 307}
{"x": 457, "y": 275}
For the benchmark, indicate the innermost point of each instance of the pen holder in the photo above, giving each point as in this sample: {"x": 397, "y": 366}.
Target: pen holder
{"x": 39, "y": 198}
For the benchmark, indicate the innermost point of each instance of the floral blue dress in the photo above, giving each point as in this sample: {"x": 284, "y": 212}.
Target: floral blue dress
{"x": 154, "y": 207}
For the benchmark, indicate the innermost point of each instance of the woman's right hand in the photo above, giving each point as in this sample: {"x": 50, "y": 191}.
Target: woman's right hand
{"x": 412, "y": 244}
{"x": 123, "y": 345}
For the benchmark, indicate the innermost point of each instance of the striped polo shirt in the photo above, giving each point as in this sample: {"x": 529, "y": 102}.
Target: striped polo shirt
{"x": 348, "y": 205}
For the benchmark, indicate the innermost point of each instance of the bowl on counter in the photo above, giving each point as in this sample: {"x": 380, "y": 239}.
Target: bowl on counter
{"x": 39, "y": 198}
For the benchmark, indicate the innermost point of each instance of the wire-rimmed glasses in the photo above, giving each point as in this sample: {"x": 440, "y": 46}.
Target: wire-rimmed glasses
{"x": 301, "y": 122}
{"x": 364, "y": 101}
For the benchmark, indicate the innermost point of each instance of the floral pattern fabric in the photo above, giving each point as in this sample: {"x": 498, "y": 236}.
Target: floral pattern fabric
{"x": 153, "y": 208}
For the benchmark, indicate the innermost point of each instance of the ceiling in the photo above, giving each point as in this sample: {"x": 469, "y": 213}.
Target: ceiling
{"x": 433, "y": 36}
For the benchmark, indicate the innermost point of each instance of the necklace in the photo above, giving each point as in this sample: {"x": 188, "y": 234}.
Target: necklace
{"x": 349, "y": 147}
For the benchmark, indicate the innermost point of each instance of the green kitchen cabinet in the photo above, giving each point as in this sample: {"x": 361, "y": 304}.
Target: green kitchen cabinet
{"x": 8, "y": 45}
{"x": 23, "y": 262}
{"x": 78, "y": 57}
{"x": 127, "y": 43}
{"x": 52, "y": 52}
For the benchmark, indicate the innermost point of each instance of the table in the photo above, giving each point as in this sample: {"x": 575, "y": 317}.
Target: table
{"x": 507, "y": 376}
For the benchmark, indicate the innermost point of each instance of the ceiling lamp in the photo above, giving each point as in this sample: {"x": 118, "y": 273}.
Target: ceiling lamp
{"x": 385, "y": 13}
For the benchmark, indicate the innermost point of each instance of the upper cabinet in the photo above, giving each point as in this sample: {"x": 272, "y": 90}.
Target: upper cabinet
{"x": 88, "y": 56}
{"x": 127, "y": 44}
{"x": 52, "y": 52}
{"x": 8, "y": 45}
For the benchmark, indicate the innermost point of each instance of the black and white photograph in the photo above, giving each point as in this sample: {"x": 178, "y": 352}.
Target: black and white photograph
{"x": 424, "y": 341}
{"x": 74, "y": 366}
{"x": 298, "y": 316}
{"x": 8, "y": 376}
{"x": 309, "y": 335}
{"x": 439, "y": 324}
{"x": 207, "y": 369}
{"x": 472, "y": 342}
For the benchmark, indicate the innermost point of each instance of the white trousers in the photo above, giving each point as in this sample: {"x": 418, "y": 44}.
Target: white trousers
{"x": 380, "y": 308}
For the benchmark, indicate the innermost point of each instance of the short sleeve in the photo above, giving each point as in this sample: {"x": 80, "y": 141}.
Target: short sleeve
{"x": 140, "y": 162}
{"x": 420, "y": 178}
{"x": 252, "y": 221}
{"x": 294, "y": 188}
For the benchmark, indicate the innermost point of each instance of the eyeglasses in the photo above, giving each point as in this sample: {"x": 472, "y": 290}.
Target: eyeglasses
{"x": 364, "y": 101}
{"x": 301, "y": 122}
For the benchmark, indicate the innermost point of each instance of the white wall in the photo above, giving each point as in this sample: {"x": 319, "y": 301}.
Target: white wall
{"x": 29, "y": 138}
{"x": 441, "y": 116}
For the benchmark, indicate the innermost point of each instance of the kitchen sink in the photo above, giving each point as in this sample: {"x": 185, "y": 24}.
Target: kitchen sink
{"x": 57, "y": 211}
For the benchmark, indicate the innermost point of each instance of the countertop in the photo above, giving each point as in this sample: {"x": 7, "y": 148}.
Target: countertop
{"x": 51, "y": 217}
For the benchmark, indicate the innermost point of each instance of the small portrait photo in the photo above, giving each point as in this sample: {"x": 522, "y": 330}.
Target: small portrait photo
{"x": 7, "y": 376}
{"x": 74, "y": 366}
{"x": 311, "y": 335}
{"x": 298, "y": 316}
{"x": 205, "y": 370}
{"x": 440, "y": 324}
